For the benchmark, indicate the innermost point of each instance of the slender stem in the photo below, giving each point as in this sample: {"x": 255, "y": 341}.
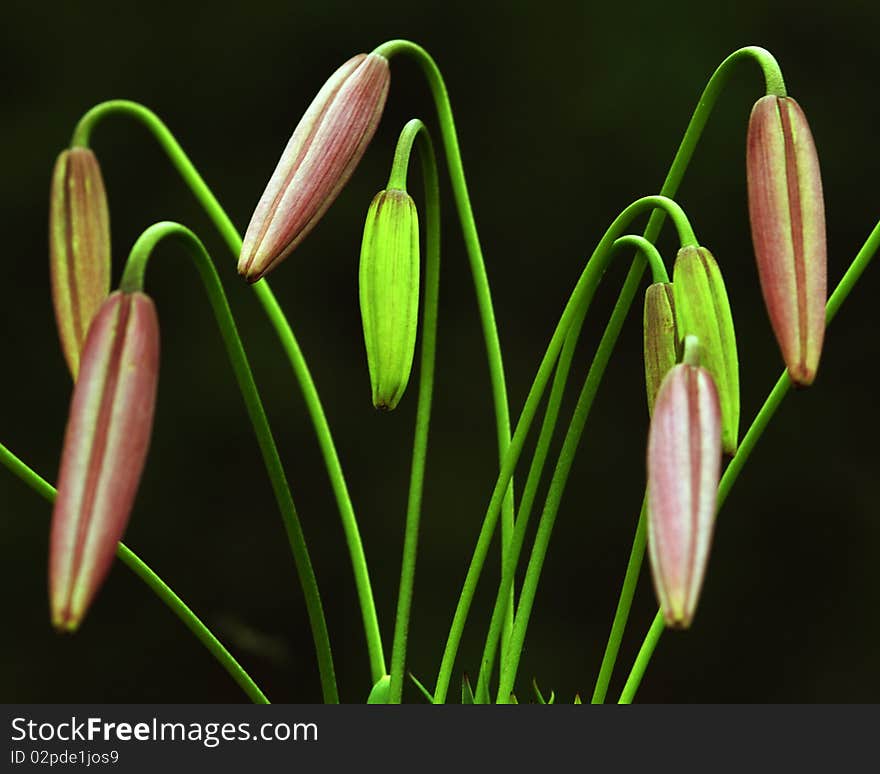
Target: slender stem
{"x": 642, "y": 659}
{"x": 413, "y": 129}
{"x": 403, "y": 152}
{"x": 756, "y": 430}
{"x": 158, "y": 586}
{"x": 560, "y": 380}
{"x": 579, "y": 299}
{"x": 478, "y": 267}
{"x": 231, "y": 237}
{"x": 559, "y": 481}
{"x": 624, "y": 603}
{"x": 541, "y": 449}
{"x": 133, "y": 277}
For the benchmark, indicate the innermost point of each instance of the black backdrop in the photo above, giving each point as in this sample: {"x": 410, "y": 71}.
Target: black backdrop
{"x": 566, "y": 113}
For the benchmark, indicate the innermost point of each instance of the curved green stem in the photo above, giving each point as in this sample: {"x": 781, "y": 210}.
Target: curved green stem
{"x": 416, "y": 129}
{"x": 642, "y": 659}
{"x": 261, "y": 289}
{"x": 579, "y": 300}
{"x": 559, "y": 481}
{"x": 475, "y": 257}
{"x": 132, "y": 279}
{"x": 548, "y": 428}
{"x": 756, "y": 430}
{"x": 158, "y": 586}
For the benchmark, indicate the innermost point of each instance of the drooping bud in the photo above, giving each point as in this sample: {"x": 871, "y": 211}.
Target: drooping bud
{"x": 389, "y": 293}
{"x": 660, "y": 337}
{"x": 79, "y": 248}
{"x": 787, "y": 215}
{"x": 320, "y": 157}
{"x": 105, "y": 448}
{"x": 702, "y": 310}
{"x": 684, "y": 466}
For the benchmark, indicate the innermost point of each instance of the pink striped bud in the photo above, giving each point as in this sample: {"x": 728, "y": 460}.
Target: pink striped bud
{"x": 79, "y": 248}
{"x": 787, "y": 215}
{"x": 105, "y": 448}
{"x": 320, "y": 157}
{"x": 684, "y": 466}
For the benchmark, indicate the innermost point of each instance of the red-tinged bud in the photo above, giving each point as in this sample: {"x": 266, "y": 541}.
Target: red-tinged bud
{"x": 79, "y": 248}
{"x": 684, "y": 466}
{"x": 787, "y": 214}
{"x": 320, "y": 157}
{"x": 105, "y": 448}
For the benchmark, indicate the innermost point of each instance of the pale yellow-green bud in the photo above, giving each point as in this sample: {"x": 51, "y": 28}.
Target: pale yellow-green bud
{"x": 389, "y": 293}
{"x": 660, "y": 338}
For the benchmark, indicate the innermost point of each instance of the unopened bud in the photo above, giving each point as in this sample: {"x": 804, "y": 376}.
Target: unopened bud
{"x": 389, "y": 293}
{"x": 320, "y": 157}
{"x": 702, "y": 310}
{"x": 787, "y": 215}
{"x": 79, "y": 248}
{"x": 684, "y": 466}
{"x": 105, "y": 448}
{"x": 660, "y": 337}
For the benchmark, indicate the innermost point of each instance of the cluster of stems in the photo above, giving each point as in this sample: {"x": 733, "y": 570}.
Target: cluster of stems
{"x": 512, "y": 507}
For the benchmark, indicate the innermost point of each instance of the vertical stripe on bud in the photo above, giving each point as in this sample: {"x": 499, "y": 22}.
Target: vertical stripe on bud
{"x": 389, "y": 293}
{"x": 787, "y": 215}
{"x": 660, "y": 337}
{"x": 105, "y": 448}
{"x": 79, "y": 248}
{"x": 703, "y": 310}
{"x": 320, "y": 157}
{"x": 684, "y": 466}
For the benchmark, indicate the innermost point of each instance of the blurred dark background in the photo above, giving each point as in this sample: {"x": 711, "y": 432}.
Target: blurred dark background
{"x": 566, "y": 112}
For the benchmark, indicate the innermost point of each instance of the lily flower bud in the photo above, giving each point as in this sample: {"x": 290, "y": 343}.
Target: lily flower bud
{"x": 787, "y": 215}
{"x": 105, "y": 448}
{"x": 79, "y": 248}
{"x": 702, "y": 310}
{"x": 660, "y": 337}
{"x": 320, "y": 157}
{"x": 389, "y": 293}
{"x": 684, "y": 466}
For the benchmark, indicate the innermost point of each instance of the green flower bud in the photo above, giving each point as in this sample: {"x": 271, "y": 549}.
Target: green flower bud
{"x": 661, "y": 339}
{"x": 389, "y": 293}
{"x": 702, "y": 310}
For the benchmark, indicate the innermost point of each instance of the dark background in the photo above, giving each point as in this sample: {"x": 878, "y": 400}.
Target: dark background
{"x": 566, "y": 112}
